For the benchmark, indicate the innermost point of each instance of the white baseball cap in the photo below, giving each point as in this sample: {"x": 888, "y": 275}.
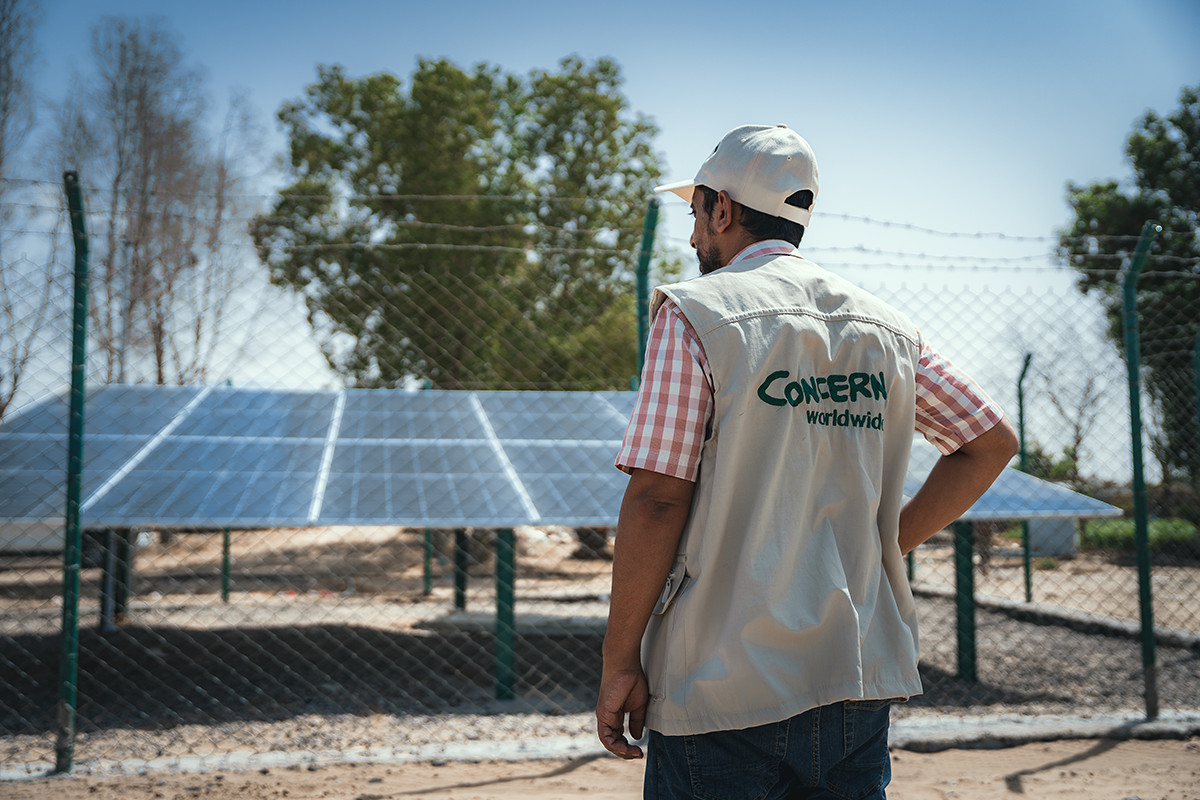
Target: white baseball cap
{"x": 761, "y": 166}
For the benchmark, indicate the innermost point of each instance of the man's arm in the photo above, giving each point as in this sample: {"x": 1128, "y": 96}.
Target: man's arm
{"x": 653, "y": 513}
{"x": 955, "y": 483}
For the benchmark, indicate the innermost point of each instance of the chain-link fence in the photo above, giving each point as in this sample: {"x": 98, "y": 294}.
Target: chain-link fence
{"x": 232, "y": 640}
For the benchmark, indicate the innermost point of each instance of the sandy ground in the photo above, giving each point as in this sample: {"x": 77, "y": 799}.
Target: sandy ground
{"x": 1091, "y": 769}
{"x": 1088, "y": 582}
{"x": 313, "y": 593}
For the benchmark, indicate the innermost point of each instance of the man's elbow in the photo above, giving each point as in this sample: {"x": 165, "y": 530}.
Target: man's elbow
{"x": 1011, "y": 440}
{"x": 1000, "y": 444}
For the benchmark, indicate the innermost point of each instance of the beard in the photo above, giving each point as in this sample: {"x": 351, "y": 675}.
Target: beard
{"x": 707, "y": 253}
{"x": 709, "y": 258}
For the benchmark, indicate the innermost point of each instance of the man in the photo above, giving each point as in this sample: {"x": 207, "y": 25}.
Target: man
{"x": 761, "y": 622}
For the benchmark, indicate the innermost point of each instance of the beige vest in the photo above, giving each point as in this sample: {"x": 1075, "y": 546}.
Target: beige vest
{"x": 789, "y": 590}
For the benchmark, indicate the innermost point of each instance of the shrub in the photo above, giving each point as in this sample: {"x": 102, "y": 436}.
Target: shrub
{"x": 1014, "y": 533}
{"x": 1169, "y": 536}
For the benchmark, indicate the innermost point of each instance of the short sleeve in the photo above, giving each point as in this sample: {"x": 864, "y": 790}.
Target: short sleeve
{"x": 951, "y": 408}
{"x": 671, "y": 414}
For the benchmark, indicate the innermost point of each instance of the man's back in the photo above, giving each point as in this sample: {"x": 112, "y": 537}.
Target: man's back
{"x": 793, "y": 593}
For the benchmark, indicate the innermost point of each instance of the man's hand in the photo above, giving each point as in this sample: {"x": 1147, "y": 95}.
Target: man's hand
{"x": 622, "y": 692}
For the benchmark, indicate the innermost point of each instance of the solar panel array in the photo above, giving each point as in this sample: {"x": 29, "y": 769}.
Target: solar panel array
{"x": 216, "y": 456}
{"x": 223, "y": 457}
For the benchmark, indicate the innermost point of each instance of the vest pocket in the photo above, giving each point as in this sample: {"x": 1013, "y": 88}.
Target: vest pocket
{"x": 676, "y": 578}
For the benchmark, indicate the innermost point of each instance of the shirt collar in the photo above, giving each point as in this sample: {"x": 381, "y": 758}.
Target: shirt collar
{"x": 767, "y": 247}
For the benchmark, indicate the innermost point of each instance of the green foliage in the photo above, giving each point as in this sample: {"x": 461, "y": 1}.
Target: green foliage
{"x": 1041, "y": 464}
{"x": 1013, "y": 534}
{"x": 1165, "y": 154}
{"x": 1169, "y": 536}
{"x": 473, "y": 228}
{"x": 1045, "y": 563}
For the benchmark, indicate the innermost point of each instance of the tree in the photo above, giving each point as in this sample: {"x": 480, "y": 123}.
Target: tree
{"x": 1165, "y": 155}
{"x": 24, "y": 290}
{"x": 470, "y": 228}
{"x": 1075, "y": 384}
{"x": 17, "y": 21}
{"x": 165, "y": 194}
{"x": 1041, "y": 463}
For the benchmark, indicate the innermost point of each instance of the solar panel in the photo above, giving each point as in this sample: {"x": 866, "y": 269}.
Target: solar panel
{"x": 224, "y": 457}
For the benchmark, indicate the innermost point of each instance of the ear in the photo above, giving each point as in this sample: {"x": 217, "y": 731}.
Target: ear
{"x": 722, "y": 216}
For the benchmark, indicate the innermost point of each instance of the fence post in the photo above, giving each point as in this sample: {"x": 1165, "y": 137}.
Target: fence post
{"x": 1024, "y": 468}
{"x": 68, "y": 662}
{"x": 1140, "y": 513}
{"x": 643, "y": 287}
{"x": 505, "y": 616}
{"x": 964, "y": 593}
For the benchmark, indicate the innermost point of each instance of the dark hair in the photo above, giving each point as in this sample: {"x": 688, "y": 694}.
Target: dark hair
{"x": 760, "y": 225}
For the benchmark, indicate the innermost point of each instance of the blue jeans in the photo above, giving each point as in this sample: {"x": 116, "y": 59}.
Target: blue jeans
{"x": 834, "y": 751}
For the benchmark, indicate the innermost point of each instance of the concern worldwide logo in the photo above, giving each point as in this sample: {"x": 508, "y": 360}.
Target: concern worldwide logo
{"x": 778, "y": 391}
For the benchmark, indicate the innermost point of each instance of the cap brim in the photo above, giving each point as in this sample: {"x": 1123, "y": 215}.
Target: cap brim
{"x": 682, "y": 188}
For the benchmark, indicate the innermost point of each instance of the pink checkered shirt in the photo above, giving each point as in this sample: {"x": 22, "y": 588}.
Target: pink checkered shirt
{"x": 674, "y": 405}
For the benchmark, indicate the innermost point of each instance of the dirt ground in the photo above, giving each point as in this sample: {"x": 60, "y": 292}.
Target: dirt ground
{"x": 328, "y": 644}
{"x": 1093, "y": 583}
{"x": 1090, "y": 769}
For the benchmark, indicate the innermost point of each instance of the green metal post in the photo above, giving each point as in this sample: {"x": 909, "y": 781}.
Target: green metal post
{"x": 505, "y": 618}
{"x": 460, "y": 569}
{"x": 428, "y": 562}
{"x": 964, "y": 590}
{"x": 643, "y": 286}
{"x": 225, "y": 566}
{"x": 1141, "y": 522}
{"x": 68, "y": 662}
{"x": 1028, "y": 558}
{"x": 908, "y": 560}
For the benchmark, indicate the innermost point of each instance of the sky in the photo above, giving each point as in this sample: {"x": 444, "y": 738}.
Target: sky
{"x": 957, "y": 117}
{"x": 950, "y": 115}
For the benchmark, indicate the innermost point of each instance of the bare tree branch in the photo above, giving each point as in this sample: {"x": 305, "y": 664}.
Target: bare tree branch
{"x": 162, "y": 276}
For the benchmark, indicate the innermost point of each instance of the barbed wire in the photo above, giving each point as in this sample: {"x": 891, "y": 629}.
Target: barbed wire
{"x": 533, "y": 228}
{"x": 1043, "y": 262}
{"x": 967, "y": 267}
{"x": 467, "y": 247}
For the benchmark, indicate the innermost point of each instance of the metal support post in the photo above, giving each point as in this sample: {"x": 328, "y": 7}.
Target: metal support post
{"x": 1141, "y": 522}
{"x": 68, "y": 661}
{"x": 116, "y": 575}
{"x": 428, "y": 562}
{"x": 1027, "y": 558}
{"x": 964, "y": 590}
{"x": 124, "y": 582}
{"x": 225, "y": 565}
{"x": 108, "y": 581}
{"x": 460, "y": 568}
{"x": 505, "y": 616}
